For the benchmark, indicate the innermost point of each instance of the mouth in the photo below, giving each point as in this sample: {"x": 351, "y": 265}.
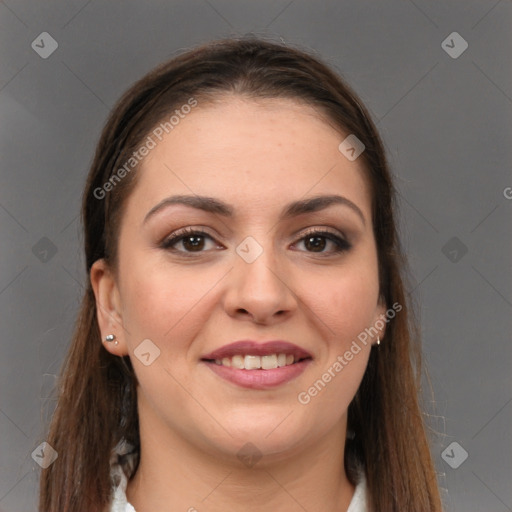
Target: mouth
{"x": 258, "y": 365}
{"x": 254, "y": 362}
{"x": 257, "y": 354}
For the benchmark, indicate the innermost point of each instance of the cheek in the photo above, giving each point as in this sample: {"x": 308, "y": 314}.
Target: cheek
{"x": 343, "y": 310}
{"x": 149, "y": 306}
{"x": 164, "y": 304}
{"x": 345, "y": 303}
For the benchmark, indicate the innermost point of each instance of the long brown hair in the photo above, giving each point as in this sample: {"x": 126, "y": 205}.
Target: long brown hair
{"x": 97, "y": 406}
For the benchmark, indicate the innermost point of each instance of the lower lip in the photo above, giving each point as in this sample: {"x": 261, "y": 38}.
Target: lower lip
{"x": 259, "y": 379}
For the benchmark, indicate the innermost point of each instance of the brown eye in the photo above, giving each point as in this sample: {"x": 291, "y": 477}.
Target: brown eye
{"x": 318, "y": 241}
{"x": 194, "y": 242}
{"x": 315, "y": 243}
{"x": 187, "y": 241}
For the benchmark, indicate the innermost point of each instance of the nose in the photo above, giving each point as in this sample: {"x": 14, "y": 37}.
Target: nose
{"x": 260, "y": 291}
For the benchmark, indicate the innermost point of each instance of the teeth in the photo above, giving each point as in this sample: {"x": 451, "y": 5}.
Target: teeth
{"x": 269, "y": 362}
{"x": 250, "y": 362}
{"x": 237, "y": 362}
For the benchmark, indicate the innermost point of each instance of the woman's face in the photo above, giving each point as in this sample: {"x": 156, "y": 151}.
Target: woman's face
{"x": 258, "y": 273}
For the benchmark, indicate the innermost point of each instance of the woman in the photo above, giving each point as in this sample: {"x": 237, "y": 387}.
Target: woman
{"x": 244, "y": 342}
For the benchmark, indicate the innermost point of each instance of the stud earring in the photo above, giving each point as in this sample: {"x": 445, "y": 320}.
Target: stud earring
{"x": 378, "y": 340}
{"x": 111, "y": 337}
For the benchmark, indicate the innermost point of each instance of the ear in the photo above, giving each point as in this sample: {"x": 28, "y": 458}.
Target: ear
{"x": 108, "y": 306}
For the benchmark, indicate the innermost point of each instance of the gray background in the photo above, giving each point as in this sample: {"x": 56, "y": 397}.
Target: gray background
{"x": 447, "y": 126}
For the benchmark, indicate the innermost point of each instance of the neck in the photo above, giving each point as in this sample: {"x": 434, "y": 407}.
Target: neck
{"x": 175, "y": 474}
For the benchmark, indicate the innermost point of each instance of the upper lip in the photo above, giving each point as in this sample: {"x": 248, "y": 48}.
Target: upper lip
{"x": 258, "y": 348}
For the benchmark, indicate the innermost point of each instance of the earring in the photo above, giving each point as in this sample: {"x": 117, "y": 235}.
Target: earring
{"x": 111, "y": 337}
{"x": 378, "y": 340}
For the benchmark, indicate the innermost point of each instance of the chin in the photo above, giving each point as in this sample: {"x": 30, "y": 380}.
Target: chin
{"x": 272, "y": 437}
{"x": 253, "y": 448}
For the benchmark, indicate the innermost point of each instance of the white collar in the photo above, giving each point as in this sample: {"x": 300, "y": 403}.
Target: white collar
{"x": 122, "y": 463}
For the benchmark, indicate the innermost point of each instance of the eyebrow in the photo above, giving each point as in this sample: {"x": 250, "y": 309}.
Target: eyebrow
{"x": 294, "y": 209}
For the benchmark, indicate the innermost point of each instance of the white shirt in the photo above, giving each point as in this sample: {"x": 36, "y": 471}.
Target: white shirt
{"x": 124, "y": 457}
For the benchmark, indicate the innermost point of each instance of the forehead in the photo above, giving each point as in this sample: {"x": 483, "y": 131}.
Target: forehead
{"x": 254, "y": 154}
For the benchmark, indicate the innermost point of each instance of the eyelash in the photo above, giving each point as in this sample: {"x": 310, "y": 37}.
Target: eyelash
{"x": 341, "y": 244}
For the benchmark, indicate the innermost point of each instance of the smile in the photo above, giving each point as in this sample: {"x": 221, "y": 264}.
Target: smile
{"x": 255, "y": 372}
{"x": 253, "y": 362}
